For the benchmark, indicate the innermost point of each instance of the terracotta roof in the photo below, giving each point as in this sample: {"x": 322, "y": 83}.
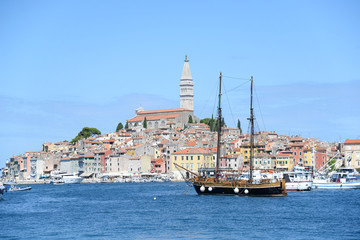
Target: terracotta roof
{"x": 352, "y": 141}
{"x": 284, "y": 154}
{"x": 163, "y": 111}
{"x": 192, "y": 151}
{"x": 154, "y": 117}
{"x": 191, "y": 144}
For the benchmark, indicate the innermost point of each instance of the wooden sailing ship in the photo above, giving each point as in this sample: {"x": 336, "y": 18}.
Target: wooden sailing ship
{"x": 206, "y": 185}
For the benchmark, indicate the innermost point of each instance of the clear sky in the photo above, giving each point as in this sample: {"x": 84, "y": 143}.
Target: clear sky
{"x": 65, "y": 65}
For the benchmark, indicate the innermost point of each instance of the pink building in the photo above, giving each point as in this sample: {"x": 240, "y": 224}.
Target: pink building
{"x": 320, "y": 158}
{"x": 158, "y": 165}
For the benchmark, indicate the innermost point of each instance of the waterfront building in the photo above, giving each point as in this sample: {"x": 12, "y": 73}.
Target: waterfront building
{"x": 100, "y": 156}
{"x": 320, "y": 158}
{"x": 285, "y": 161}
{"x": 232, "y": 161}
{"x": 117, "y": 164}
{"x": 297, "y": 148}
{"x": 158, "y": 165}
{"x": 352, "y": 153}
{"x": 308, "y": 157}
{"x": 192, "y": 159}
{"x": 264, "y": 161}
{"x": 244, "y": 150}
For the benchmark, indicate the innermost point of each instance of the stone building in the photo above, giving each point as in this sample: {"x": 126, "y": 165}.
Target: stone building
{"x": 170, "y": 118}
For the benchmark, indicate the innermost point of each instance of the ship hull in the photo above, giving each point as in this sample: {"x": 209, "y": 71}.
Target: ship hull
{"x": 261, "y": 190}
{"x": 299, "y": 186}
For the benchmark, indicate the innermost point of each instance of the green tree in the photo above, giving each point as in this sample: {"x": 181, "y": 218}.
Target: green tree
{"x": 145, "y": 123}
{"x": 126, "y": 125}
{"x": 239, "y": 126}
{"x": 190, "y": 119}
{"x": 119, "y": 127}
{"x": 211, "y": 122}
{"x": 86, "y": 132}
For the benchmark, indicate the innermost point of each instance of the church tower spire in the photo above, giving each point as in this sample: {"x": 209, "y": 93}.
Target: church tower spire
{"x": 186, "y": 87}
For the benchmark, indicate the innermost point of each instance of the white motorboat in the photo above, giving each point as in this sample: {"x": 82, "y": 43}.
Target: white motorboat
{"x": 71, "y": 179}
{"x": 345, "y": 178}
{"x": 300, "y": 179}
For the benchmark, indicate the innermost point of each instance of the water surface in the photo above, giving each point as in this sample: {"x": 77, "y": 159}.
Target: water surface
{"x": 129, "y": 211}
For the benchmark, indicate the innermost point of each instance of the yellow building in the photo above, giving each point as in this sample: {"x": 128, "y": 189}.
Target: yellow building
{"x": 352, "y": 153}
{"x": 308, "y": 157}
{"x": 244, "y": 150}
{"x": 192, "y": 159}
{"x": 157, "y": 153}
{"x": 285, "y": 161}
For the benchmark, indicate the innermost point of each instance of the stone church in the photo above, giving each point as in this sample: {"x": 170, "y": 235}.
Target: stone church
{"x": 171, "y": 118}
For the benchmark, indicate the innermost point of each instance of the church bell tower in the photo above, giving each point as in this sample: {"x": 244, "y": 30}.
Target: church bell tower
{"x": 186, "y": 88}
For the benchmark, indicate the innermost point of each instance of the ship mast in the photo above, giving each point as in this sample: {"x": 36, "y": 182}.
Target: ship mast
{"x": 219, "y": 133}
{"x": 252, "y": 132}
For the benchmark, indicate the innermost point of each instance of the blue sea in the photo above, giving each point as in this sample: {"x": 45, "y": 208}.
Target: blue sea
{"x": 173, "y": 211}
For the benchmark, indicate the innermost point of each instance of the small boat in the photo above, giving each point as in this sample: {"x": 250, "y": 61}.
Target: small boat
{"x": 15, "y": 189}
{"x": 344, "y": 178}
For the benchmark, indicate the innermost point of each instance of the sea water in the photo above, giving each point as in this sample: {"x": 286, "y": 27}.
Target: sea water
{"x": 173, "y": 211}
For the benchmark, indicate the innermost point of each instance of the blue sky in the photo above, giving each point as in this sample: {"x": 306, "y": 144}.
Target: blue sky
{"x": 65, "y": 65}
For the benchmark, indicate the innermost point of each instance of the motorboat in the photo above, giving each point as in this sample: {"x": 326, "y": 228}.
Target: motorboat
{"x": 71, "y": 179}
{"x": 344, "y": 178}
{"x": 298, "y": 181}
{"x": 13, "y": 187}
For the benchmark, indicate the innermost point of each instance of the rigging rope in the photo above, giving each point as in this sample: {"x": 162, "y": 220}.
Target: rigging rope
{"x": 208, "y": 100}
{"x": 257, "y": 99}
{"x": 236, "y": 78}
{"x": 227, "y": 97}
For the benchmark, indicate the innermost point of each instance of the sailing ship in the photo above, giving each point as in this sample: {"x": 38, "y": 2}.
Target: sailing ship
{"x": 236, "y": 185}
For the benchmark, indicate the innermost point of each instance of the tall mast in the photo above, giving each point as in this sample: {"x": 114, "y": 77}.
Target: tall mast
{"x": 219, "y": 132}
{"x": 252, "y": 132}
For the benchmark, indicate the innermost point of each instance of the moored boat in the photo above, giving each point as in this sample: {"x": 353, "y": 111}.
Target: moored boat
{"x": 210, "y": 185}
{"x": 298, "y": 180}
{"x": 71, "y": 179}
{"x": 344, "y": 178}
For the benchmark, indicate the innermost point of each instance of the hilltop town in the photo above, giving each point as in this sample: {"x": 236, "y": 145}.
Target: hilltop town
{"x": 154, "y": 140}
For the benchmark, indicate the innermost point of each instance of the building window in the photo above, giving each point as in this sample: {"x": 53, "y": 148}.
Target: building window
{"x": 187, "y": 157}
{"x": 191, "y": 157}
{"x": 175, "y": 158}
